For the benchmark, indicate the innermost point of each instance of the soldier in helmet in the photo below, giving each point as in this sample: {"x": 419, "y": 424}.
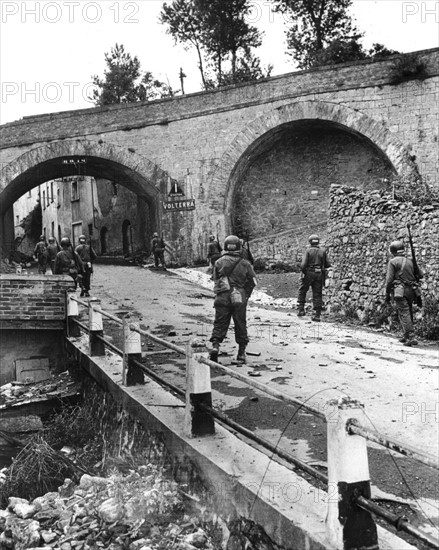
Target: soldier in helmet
{"x": 52, "y": 251}
{"x": 40, "y": 253}
{"x": 213, "y": 252}
{"x": 231, "y": 298}
{"x": 314, "y": 265}
{"x": 158, "y": 249}
{"x": 67, "y": 262}
{"x": 88, "y": 256}
{"x": 400, "y": 281}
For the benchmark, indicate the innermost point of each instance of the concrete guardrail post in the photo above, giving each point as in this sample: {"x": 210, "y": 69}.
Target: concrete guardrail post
{"x": 347, "y": 525}
{"x": 72, "y": 315}
{"x": 198, "y": 392}
{"x": 96, "y": 328}
{"x": 132, "y": 351}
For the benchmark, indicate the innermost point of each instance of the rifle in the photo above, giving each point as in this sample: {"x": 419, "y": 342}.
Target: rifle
{"x": 416, "y": 270}
{"x": 218, "y": 241}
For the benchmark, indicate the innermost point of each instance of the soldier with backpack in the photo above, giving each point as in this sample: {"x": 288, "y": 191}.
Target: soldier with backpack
{"x": 158, "y": 250}
{"x": 67, "y": 262}
{"x": 40, "y": 253}
{"x": 52, "y": 251}
{"x": 88, "y": 256}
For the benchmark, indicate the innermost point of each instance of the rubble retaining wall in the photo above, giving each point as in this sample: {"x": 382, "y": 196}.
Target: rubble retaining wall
{"x": 361, "y": 228}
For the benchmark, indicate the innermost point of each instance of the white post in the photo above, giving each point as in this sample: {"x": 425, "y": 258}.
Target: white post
{"x": 347, "y": 525}
{"x": 72, "y": 315}
{"x": 96, "y": 328}
{"x": 198, "y": 391}
{"x": 132, "y": 353}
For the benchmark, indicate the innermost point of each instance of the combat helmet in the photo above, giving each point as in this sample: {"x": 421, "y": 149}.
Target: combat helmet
{"x": 51, "y": 239}
{"x": 396, "y": 247}
{"x": 65, "y": 242}
{"x": 314, "y": 239}
{"x": 232, "y": 243}
{"x": 82, "y": 238}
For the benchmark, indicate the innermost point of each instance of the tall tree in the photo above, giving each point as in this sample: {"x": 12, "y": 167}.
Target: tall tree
{"x": 124, "y": 82}
{"x": 314, "y": 25}
{"x": 222, "y": 37}
{"x": 184, "y": 25}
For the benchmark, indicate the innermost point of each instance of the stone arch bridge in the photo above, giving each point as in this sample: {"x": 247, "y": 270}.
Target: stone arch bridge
{"x": 255, "y": 159}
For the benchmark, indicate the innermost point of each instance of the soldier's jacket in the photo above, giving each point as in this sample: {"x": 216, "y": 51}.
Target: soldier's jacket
{"x": 40, "y": 249}
{"x": 400, "y": 272}
{"x": 315, "y": 256}
{"x": 213, "y": 249}
{"x": 86, "y": 253}
{"x": 52, "y": 251}
{"x": 157, "y": 244}
{"x": 67, "y": 261}
{"x": 243, "y": 274}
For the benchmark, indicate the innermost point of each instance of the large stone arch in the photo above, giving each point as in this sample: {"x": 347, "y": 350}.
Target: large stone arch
{"x": 238, "y": 156}
{"x": 102, "y": 159}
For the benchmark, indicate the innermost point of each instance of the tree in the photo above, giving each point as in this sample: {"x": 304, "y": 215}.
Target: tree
{"x": 123, "y": 81}
{"x": 315, "y": 24}
{"x": 184, "y": 26}
{"x": 223, "y": 39}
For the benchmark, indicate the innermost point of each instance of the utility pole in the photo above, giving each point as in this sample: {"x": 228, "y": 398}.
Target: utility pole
{"x": 182, "y": 77}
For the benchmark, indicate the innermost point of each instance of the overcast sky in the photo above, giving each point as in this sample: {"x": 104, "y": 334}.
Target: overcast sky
{"x": 49, "y": 50}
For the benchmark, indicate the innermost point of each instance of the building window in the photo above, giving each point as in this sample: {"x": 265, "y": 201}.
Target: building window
{"x": 90, "y": 229}
{"x": 53, "y": 230}
{"x": 44, "y": 200}
{"x": 75, "y": 191}
{"x": 52, "y": 198}
{"x": 29, "y": 194}
{"x": 17, "y": 220}
{"x": 48, "y": 196}
{"x": 58, "y": 197}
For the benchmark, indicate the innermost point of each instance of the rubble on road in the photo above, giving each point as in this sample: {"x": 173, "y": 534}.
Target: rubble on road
{"x": 140, "y": 511}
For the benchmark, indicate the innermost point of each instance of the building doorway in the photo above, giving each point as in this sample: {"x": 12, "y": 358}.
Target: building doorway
{"x": 104, "y": 236}
{"x": 127, "y": 240}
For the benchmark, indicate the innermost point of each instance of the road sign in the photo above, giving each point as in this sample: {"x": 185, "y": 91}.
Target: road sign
{"x": 172, "y": 206}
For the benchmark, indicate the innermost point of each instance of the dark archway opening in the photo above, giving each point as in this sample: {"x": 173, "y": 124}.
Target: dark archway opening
{"x": 282, "y": 183}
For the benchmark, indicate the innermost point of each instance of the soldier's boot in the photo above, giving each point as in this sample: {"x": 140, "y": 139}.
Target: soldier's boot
{"x": 213, "y": 355}
{"x": 301, "y": 312}
{"x": 241, "y": 357}
{"x": 316, "y": 316}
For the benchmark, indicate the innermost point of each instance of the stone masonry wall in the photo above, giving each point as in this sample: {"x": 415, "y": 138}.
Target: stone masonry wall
{"x": 361, "y": 228}
{"x": 202, "y": 140}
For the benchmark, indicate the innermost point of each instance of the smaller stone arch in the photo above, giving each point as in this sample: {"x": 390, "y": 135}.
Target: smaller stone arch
{"x": 236, "y": 158}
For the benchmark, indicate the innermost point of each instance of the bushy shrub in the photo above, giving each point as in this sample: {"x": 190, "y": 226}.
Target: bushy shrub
{"x": 428, "y": 326}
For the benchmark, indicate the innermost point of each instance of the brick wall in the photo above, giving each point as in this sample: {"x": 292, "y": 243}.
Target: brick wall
{"x": 361, "y": 228}
{"x": 33, "y": 301}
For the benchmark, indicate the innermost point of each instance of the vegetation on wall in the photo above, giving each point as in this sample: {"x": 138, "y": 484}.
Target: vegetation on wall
{"x": 33, "y": 223}
{"x": 408, "y": 67}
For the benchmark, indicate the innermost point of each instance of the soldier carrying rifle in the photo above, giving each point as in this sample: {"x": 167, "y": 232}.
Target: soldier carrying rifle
{"x": 402, "y": 281}
{"x": 158, "y": 249}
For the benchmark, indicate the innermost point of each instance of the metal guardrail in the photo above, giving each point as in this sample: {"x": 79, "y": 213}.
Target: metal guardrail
{"x": 351, "y": 425}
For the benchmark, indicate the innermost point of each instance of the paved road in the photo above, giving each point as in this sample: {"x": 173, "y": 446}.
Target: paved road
{"x": 398, "y": 386}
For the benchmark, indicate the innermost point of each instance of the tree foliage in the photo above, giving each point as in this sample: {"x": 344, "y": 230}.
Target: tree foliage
{"x": 124, "y": 81}
{"x": 221, "y": 36}
{"x": 322, "y": 32}
{"x": 343, "y": 51}
{"x": 33, "y": 223}
{"x": 314, "y": 25}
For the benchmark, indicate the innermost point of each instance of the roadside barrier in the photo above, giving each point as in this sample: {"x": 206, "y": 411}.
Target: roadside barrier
{"x": 349, "y": 523}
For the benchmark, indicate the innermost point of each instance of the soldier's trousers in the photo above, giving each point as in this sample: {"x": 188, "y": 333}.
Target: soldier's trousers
{"x": 86, "y": 278}
{"x": 225, "y": 311}
{"x": 159, "y": 256}
{"x": 315, "y": 281}
{"x": 42, "y": 264}
{"x": 404, "y": 307}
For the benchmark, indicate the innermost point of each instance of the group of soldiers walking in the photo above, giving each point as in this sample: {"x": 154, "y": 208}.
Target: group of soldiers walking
{"x": 63, "y": 259}
{"x": 234, "y": 280}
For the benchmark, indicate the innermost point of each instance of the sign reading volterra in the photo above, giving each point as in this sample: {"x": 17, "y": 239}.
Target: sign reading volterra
{"x": 184, "y": 204}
